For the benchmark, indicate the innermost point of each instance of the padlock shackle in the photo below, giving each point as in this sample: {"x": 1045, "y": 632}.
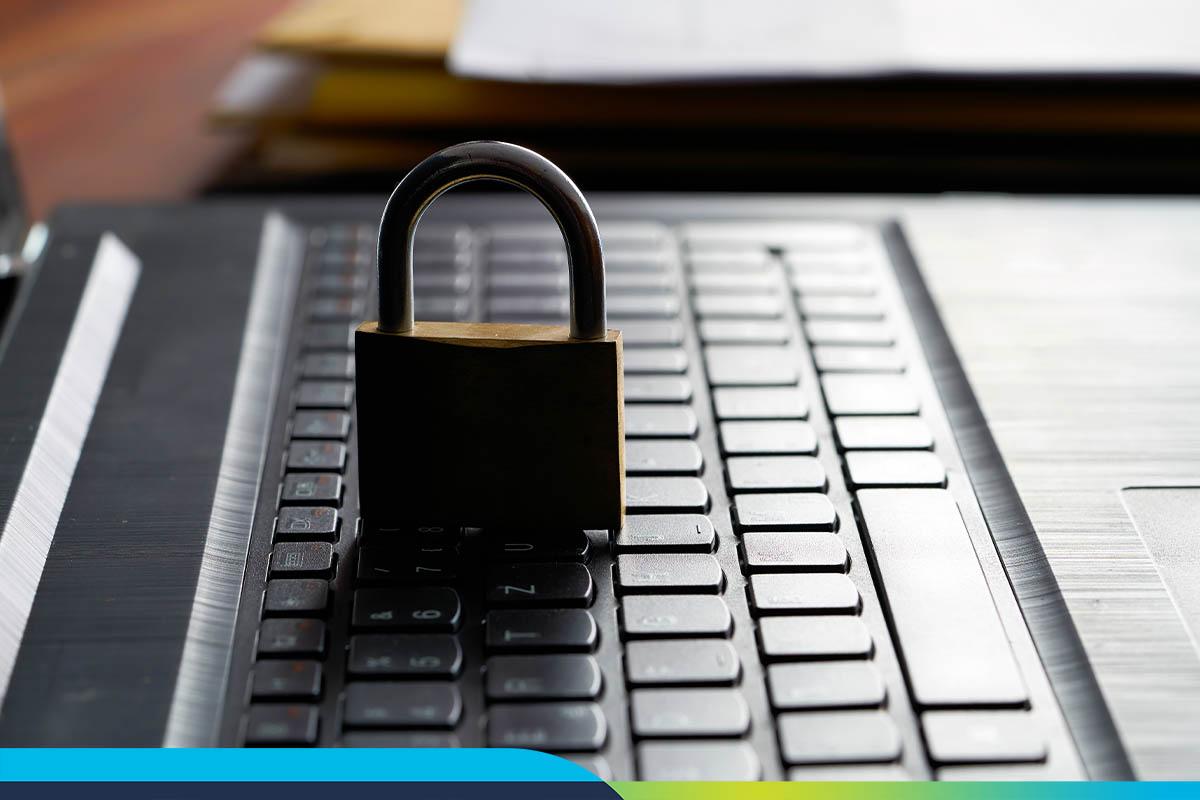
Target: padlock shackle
{"x": 507, "y": 163}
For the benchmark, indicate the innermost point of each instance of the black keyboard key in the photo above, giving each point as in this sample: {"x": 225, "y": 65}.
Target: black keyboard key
{"x": 832, "y": 359}
{"x": 793, "y": 552}
{"x": 435, "y": 609}
{"x": 328, "y": 365}
{"x": 316, "y": 456}
{"x": 697, "y": 761}
{"x": 546, "y": 547}
{"x": 655, "y": 389}
{"x": 321, "y": 425}
{"x": 983, "y": 737}
{"x": 393, "y": 565}
{"x": 686, "y": 713}
{"x": 662, "y": 533}
{"x": 659, "y": 421}
{"x": 750, "y": 365}
{"x": 659, "y": 573}
{"x": 542, "y": 677}
{"x": 411, "y": 655}
{"x": 811, "y": 593}
{"x": 869, "y": 395}
{"x": 661, "y": 616}
{"x": 760, "y": 403}
{"x": 838, "y": 737}
{"x": 291, "y": 597}
{"x": 808, "y": 638}
{"x": 302, "y": 559}
{"x": 531, "y": 630}
{"x": 280, "y": 680}
{"x": 291, "y": 637}
{"x": 570, "y": 727}
{"x": 394, "y": 739}
{"x": 306, "y": 522}
{"x": 665, "y": 496}
{"x": 274, "y": 725}
{"x": 402, "y": 705}
{"x": 883, "y": 433}
{"x": 904, "y": 468}
{"x": 539, "y": 584}
{"x": 775, "y": 474}
{"x": 768, "y": 438}
{"x": 312, "y": 488}
{"x": 655, "y": 361}
{"x": 825, "y": 684}
{"x": 953, "y": 643}
{"x": 325, "y": 394}
{"x": 784, "y": 512}
{"x": 682, "y": 662}
{"x": 662, "y": 457}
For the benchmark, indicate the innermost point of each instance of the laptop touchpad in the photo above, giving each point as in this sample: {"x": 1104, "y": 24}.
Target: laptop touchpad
{"x": 1168, "y": 519}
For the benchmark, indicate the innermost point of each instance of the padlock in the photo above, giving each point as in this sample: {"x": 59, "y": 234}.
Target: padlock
{"x": 483, "y": 424}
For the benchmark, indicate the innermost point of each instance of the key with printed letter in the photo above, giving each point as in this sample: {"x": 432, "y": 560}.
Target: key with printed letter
{"x": 402, "y": 705}
{"x": 533, "y": 584}
{"x": 534, "y": 630}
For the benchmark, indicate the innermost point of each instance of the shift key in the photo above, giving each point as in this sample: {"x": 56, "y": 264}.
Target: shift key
{"x": 954, "y": 645}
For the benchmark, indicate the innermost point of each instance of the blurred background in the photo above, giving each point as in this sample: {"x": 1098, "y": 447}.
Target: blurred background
{"x": 147, "y": 99}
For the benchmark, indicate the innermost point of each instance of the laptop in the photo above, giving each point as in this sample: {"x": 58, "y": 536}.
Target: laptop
{"x": 904, "y": 492}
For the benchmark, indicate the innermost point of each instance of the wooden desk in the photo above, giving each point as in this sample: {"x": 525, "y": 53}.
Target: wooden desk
{"x": 107, "y": 98}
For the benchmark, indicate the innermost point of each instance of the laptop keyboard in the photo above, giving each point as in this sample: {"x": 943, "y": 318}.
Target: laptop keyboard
{"x": 790, "y": 532}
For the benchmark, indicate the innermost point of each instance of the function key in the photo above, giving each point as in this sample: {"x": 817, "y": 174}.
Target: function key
{"x": 402, "y": 705}
{"x": 316, "y": 456}
{"x": 313, "y": 487}
{"x": 778, "y": 438}
{"x": 328, "y": 365}
{"x": 665, "y": 616}
{"x": 869, "y": 395}
{"x": 775, "y": 474}
{"x": 659, "y": 421}
{"x": 665, "y": 496}
{"x": 268, "y": 725}
{"x": 533, "y": 630}
{"x": 651, "y": 533}
{"x": 302, "y": 559}
{"x": 306, "y": 522}
{"x": 676, "y": 662}
{"x": 896, "y": 468}
{"x": 813, "y": 593}
{"x": 697, "y": 761}
{"x": 416, "y": 608}
{"x": 825, "y": 684}
{"x": 686, "y": 713}
{"x": 767, "y": 403}
{"x": 804, "y": 638}
{"x": 278, "y": 680}
{"x": 662, "y": 457}
{"x": 793, "y": 552}
{"x": 883, "y": 433}
{"x": 652, "y": 389}
{"x": 784, "y": 512}
{"x": 539, "y": 584}
{"x": 733, "y": 365}
{"x": 325, "y": 394}
{"x": 291, "y": 637}
{"x": 838, "y": 737}
{"x": 321, "y": 425}
{"x": 836, "y": 358}
{"x": 289, "y": 597}
{"x": 658, "y": 573}
{"x": 542, "y": 677}
{"x": 413, "y": 655}
{"x": 547, "y": 726}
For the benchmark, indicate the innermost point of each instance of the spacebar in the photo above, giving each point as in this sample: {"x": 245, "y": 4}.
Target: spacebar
{"x": 951, "y": 640}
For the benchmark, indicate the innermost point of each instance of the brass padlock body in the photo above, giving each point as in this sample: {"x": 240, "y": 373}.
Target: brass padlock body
{"x": 490, "y": 425}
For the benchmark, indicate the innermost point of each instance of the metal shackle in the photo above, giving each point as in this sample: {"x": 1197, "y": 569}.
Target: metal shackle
{"x": 507, "y": 163}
